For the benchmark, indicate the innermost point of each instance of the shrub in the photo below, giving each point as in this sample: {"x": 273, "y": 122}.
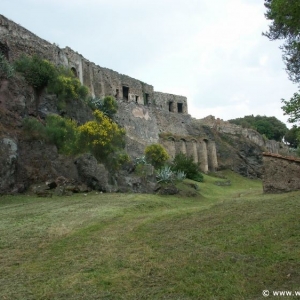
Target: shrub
{"x": 6, "y": 69}
{"x": 102, "y": 136}
{"x": 34, "y": 128}
{"x": 63, "y": 133}
{"x": 156, "y": 154}
{"x": 116, "y": 160}
{"x": 186, "y": 164}
{"x": 36, "y": 71}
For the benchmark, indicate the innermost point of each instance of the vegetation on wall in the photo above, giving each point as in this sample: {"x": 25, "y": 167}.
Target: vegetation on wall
{"x": 102, "y": 136}
{"x": 37, "y": 72}
{"x": 108, "y": 105}
{"x": 6, "y": 69}
{"x": 66, "y": 86}
{"x": 271, "y": 127}
{"x": 41, "y": 74}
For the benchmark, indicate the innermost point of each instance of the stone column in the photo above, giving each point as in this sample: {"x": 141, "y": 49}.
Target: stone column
{"x": 212, "y": 156}
{"x": 202, "y": 156}
{"x": 192, "y": 150}
{"x": 170, "y": 147}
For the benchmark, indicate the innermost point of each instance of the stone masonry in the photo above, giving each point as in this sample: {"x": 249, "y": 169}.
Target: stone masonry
{"x": 147, "y": 115}
{"x": 281, "y": 173}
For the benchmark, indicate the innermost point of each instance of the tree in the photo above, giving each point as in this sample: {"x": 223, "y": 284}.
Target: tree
{"x": 292, "y": 136}
{"x": 284, "y": 16}
{"x": 156, "y": 154}
{"x": 271, "y": 127}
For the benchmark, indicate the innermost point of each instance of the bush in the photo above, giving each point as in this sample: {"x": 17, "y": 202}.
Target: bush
{"x": 186, "y": 164}
{"x": 116, "y": 160}
{"x": 57, "y": 130}
{"x": 34, "y": 128}
{"x": 36, "y": 71}
{"x": 6, "y": 69}
{"x": 101, "y": 137}
{"x": 156, "y": 154}
{"x": 63, "y": 133}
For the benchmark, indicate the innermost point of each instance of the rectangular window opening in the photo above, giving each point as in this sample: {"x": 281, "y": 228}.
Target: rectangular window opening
{"x": 180, "y": 108}
{"x": 136, "y": 99}
{"x": 125, "y": 92}
{"x": 171, "y": 106}
{"x": 146, "y": 100}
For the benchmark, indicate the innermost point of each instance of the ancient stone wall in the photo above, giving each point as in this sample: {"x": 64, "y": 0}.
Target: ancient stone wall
{"x": 229, "y": 128}
{"x": 280, "y": 173}
{"x": 202, "y": 151}
{"x": 16, "y": 40}
{"x": 171, "y": 103}
{"x": 142, "y": 112}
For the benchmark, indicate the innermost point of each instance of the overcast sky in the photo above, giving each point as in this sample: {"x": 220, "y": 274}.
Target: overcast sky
{"x": 212, "y": 52}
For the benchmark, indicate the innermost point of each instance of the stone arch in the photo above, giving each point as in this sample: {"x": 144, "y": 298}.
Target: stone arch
{"x": 171, "y": 148}
{"x": 74, "y": 71}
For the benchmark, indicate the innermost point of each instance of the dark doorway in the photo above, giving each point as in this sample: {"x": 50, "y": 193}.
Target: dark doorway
{"x": 136, "y": 99}
{"x": 125, "y": 92}
{"x": 171, "y": 106}
{"x": 146, "y": 100}
{"x": 180, "y": 108}
{"x": 4, "y": 50}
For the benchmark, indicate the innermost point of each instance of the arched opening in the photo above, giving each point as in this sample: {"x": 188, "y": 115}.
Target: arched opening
{"x": 171, "y": 106}
{"x": 74, "y": 71}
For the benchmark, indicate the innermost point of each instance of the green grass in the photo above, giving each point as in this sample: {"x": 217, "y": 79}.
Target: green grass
{"x": 228, "y": 242}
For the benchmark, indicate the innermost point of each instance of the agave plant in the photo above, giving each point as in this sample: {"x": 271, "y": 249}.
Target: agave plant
{"x": 165, "y": 174}
{"x": 180, "y": 175}
{"x": 140, "y": 160}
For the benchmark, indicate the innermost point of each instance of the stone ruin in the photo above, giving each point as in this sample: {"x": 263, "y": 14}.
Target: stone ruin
{"x": 148, "y": 116}
{"x": 281, "y": 173}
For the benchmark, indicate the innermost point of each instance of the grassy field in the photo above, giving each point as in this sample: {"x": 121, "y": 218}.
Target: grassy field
{"x": 229, "y": 242}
